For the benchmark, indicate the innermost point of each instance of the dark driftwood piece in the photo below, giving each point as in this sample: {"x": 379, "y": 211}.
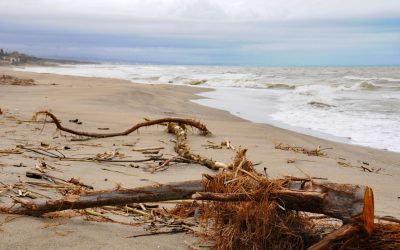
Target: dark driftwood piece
{"x": 182, "y": 148}
{"x": 171, "y": 191}
{"x": 54, "y": 179}
{"x": 347, "y": 231}
{"x": 189, "y": 122}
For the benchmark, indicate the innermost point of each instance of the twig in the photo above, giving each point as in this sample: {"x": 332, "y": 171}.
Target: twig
{"x": 148, "y": 148}
{"x": 173, "y": 231}
{"x": 387, "y": 218}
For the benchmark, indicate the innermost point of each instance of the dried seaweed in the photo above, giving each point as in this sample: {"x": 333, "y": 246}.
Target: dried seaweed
{"x": 12, "y": 80}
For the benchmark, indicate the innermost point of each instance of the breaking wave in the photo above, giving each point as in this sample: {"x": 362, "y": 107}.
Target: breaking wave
{"x": 279, "y": 86}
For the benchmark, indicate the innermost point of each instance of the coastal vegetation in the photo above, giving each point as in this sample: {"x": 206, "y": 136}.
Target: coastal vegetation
{"x": 18, "y": 58}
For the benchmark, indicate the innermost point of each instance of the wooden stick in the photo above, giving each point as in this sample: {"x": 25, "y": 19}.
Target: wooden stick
{"x": 148, "y": 148}
{"x": 189, "y": 122}
{"x": 172, "y": 191}
{"x": 388, "y": 218}
{"x": 345, "y": 232}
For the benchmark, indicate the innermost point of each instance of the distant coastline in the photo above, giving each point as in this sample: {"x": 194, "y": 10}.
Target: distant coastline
{"x": 16, "y": 58}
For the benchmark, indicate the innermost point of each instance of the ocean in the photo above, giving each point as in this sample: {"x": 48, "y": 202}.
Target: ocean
{"x": 357, "y": 105}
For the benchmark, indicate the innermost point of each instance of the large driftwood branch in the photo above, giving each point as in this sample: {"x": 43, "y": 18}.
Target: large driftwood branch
{"x": 189, "y": 122}
{"x": 182, "y": 148}
{"x": 335, "y": 202}
{"x": 171, "y": 191}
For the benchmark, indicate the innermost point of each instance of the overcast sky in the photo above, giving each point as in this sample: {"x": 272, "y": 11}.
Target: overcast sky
{"x": 233, "y": 32}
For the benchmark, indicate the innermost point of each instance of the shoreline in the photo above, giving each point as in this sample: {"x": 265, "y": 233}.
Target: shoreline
{"x": 273, "y": 104}
{"x": 210, "y": 100}
{"x": 117, "y": 104}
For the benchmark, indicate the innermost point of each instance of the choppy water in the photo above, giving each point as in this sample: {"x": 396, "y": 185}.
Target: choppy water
{"x": 361, "y": 104}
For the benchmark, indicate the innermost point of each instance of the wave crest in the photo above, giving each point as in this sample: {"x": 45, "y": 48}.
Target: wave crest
{"x": 279, "y": 86}
{"x": 360, "y": 86}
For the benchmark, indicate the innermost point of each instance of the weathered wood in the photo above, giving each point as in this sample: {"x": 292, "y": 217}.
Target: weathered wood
{"x": 182, "y": 148}
{"x": 352, "y": 204}
{"x": 189, "y": 122}
{"x": 345, "y": 232}
{"x": 171, "y": 191}
{"x": 349, "y": 203}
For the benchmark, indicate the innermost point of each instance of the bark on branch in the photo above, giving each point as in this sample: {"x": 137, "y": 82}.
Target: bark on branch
{"x": 347, "y": 231}
{"x": 171, "y": 191}
{"x": 189, "y": 122}
{"x": 349, "y": 203}
{"x": 335, "y": 202}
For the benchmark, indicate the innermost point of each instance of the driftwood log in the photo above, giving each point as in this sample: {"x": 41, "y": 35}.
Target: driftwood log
{"x": 352, "y": 204}
{"x": 171, "y": 191}
{"x": 345, "y": 232}
{"x": 189, "y": 122}
{"x": 182, "y": 148}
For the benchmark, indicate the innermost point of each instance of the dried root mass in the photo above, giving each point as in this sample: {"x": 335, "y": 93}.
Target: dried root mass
{"x": 257, "y": 224}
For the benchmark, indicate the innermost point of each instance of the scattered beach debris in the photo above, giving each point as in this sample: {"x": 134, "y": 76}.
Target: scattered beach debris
{"x": 150, "y": 152}
{"x": 226, "y": 143}
{"x": 238, "y": 208}
{"x": 76, "y": 121}
{"x": 344, "y": 164}
{"x": 315, "y": 152}
{"x": 291, "y": 161}
{"x": 12, "y": 80}
{"x": 364, "y": 167}
{"x": 241, "y": 209}
{"x": 9, "y": 151}
{"x": 109, "y": 155}
{"x": 182, "y": 148}
{"x": 148, "y": 148}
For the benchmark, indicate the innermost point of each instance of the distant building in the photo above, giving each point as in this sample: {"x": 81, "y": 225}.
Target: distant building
{"x": 10, "y": 59}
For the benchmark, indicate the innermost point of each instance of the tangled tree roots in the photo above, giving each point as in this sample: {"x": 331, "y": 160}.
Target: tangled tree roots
{"x": 259, "y": 224}
{"x": 385, "y": 236}
{"x": 189, "y": 122}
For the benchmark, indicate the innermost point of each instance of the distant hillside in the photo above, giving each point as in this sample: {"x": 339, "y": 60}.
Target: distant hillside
{"x": 17, "y": 58}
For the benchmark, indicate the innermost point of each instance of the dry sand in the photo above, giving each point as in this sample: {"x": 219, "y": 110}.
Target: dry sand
{"x": 117, "y": 104}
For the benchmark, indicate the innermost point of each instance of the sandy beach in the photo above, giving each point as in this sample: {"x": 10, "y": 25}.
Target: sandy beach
{"x": 117, "y": 105}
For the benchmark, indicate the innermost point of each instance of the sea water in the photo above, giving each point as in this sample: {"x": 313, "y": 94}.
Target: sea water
{"x": 359, "y": 105}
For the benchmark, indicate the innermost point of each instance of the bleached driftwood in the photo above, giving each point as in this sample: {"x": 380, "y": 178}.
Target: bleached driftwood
{"x": 182, "y": 148}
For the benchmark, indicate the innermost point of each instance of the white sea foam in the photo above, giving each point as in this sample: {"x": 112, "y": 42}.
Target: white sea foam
{"x": 362, "y": 104}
